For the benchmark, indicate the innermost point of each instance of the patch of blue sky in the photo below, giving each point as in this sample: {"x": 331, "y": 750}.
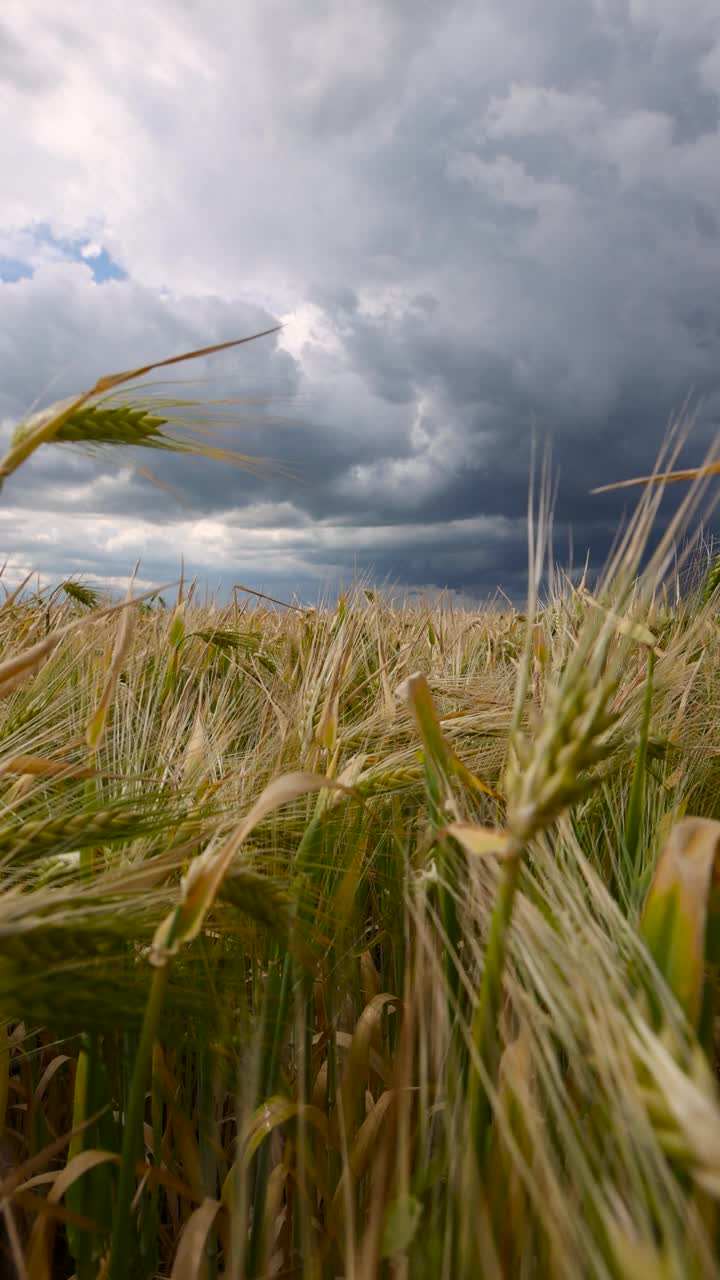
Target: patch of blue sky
{"x": 12, "y": 269}
{"x": 102, "y": 265}
{"x": 44, "y": 245}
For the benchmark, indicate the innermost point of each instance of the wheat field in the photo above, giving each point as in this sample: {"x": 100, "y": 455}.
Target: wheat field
{"x": 370, "y": 940}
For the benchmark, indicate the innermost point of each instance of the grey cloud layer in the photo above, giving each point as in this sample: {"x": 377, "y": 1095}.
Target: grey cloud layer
{"x": 488, "y": 221}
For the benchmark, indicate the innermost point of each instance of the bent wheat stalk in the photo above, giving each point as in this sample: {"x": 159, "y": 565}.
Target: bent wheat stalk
{"x": 84, "y": 420}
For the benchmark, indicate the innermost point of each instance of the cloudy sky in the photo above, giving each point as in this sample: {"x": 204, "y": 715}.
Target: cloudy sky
{"x": 476, "y": 221}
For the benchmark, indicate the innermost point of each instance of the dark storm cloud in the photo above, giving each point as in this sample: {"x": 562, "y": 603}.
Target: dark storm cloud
{"x": 485, "y": 223}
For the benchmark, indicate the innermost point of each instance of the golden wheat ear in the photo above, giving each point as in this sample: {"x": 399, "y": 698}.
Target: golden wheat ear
{"x": 84, "y": 420}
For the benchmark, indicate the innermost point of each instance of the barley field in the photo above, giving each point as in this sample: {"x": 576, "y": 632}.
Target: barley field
{"x": 370, "y": 940}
